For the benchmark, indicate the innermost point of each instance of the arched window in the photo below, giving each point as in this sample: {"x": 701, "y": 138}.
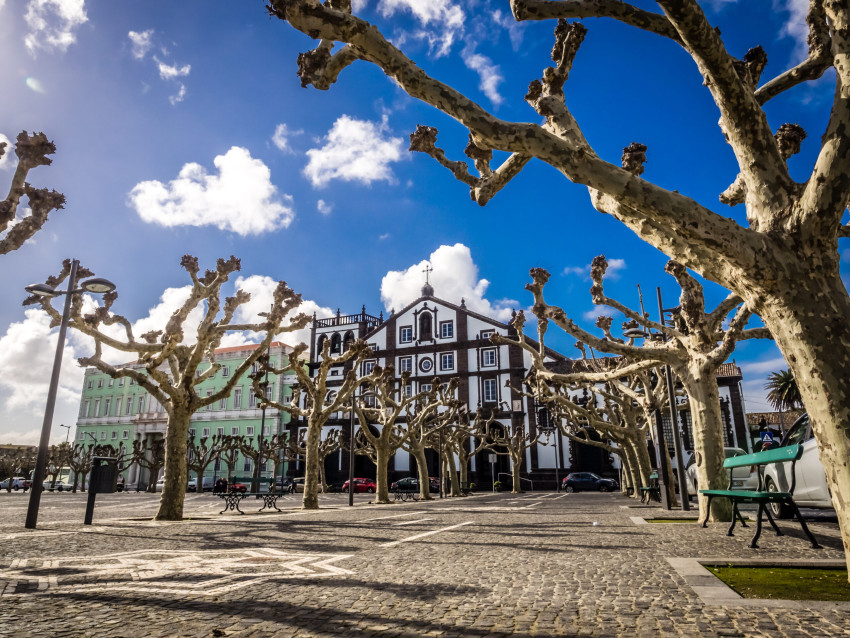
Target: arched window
{"x": 336, "y": 343}
{"x": 425, "y": 326}
{"x": 321, "y": 343}
{"x": 349, "y": 339}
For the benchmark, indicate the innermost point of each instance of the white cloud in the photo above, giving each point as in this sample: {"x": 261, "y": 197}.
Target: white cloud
{"x": 240, "y": 198}
{"x": 384, "y": 236}
{"x": 354, "y": 150}
{"x": 262, "y": 290}
{"x": 516, "y": 30}
{"x": 763, "y": 367}
{"x": 796, "y": 27}
{"x": 615, "y": 267}
{"x": 442, "y": 21}
{"x": 170, "y": 72}
{"x": 323, "y": 207}
{"x": 141, "y": 43}
{"x": 281, "y": 138}
{"x": 487, "y": 71}
{"x": 599, "y": 311}
{"x": 52, "y": 24}
{"x": 455, "y": 277}
{"x": 178, "y": 97}
{"x": 358, "y": 5}
{"x": 9, "y": 151}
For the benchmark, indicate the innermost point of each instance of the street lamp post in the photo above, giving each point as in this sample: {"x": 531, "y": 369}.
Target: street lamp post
{"x": 67, "y": 431}
{"x": 96, "y": 285}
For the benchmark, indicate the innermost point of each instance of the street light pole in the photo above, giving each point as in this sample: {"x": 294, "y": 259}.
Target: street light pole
{"x": 41, "y": 459}
{"x": 351, "y": 453}
{"x": 92, "y": 285}
{"x": 67, "y": 431}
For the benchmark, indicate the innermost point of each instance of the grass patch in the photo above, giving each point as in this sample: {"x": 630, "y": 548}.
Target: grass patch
{"x": 786, "y": 583}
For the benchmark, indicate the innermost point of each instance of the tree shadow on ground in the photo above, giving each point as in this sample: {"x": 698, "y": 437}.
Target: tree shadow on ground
{"x": 315, "y": 620}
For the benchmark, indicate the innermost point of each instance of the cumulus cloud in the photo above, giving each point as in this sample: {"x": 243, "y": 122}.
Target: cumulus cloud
{"x": 599, "y": 311}
{"x": 796, "y": 27}
{"x": 240, "y": 198}
{"x": 615, "y": 267}
{"x": 52, "y": 24}
{"x": 170, "y": 72}
{"x": 9, "y": 151}
{"x": 489, "y": 73}
{"x": 323, "y": 207}
{"x": 455, "y": 277}
{"x": 354, "y": 150}
{"x": 140, "y": 43}
{"x": 262, "y": 289}
{"x": 281, "y": 136}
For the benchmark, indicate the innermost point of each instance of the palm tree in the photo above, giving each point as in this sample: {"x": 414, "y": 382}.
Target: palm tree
{"x": 783, "y": 392}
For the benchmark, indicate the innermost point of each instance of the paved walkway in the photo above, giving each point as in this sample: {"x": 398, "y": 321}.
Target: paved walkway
{"x": 537, "y": 564}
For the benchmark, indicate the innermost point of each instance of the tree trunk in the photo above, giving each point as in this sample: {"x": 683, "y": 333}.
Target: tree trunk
{"x": 670, "y": 481}
{"x": 701, "y": 385}
{"x": 311, "y": 467}
{"x": 382, "y": 460}
{"x": 516, "y": 465}
{"x": 454, "y": 485}
{"x": 174, "y": 488}
{"x": 322, "y": 480}
{"x": 632, "y": 467}
{"x": 418, "y": 452}
{"x": 812, "y": 330}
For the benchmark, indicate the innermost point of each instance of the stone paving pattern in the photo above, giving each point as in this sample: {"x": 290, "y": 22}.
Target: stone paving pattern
{"x": 528, "y": 565}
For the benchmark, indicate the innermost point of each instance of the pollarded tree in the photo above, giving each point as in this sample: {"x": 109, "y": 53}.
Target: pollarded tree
{"x": 387, "y": 407}
{"x": 332, "y": 442}
{"x": 32, "y": 150}
{"x": 150, "y": 455}
{"x": 462, "y": 440}
{"x": 199, "y": 455}
{"x": 173, "y": 370}
{"x": 260, "y": 451}
{"x": 319, "y": 401}
{"x": 501, "y": 440}
{"x": 784, "y": 262}
{"x": 228, "y": 451}
{"x": 427, "y": 418}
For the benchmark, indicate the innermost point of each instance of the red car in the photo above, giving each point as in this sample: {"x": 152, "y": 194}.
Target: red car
{"x": 361, "y": 485}
{"x": 237, "y": 487}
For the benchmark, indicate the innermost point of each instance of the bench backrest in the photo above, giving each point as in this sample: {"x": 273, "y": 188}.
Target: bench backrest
{"x": 774, "y": 455}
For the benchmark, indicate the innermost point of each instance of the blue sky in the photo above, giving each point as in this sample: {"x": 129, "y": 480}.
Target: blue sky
{"x": 182, "y": 128}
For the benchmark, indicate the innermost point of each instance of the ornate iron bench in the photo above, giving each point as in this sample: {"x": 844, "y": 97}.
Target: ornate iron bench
{"x": 788, "y": 454}
{"x": 232, "y": 500}
{"x": 406, "y": 495}
{"x": 652, "y": 492}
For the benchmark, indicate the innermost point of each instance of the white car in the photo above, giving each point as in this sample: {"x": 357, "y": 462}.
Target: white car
{"x": 159, "y": 485}
{"x": 61, "y": 486}
{"x": 742, "y": 477}
{"x": 208, "y": 484}
{"x": 810, "y": 489}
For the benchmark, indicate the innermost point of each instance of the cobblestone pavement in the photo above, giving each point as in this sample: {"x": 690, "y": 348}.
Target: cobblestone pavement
{"x": 536, "y": 564}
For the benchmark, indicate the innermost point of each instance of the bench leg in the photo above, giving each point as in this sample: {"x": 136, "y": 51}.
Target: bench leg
{"x": 805, "y": 527}
{"x": 754, "y": 542}
{"x": 773, "y": 522}
{"x": 738, "y": 514}
{"x": 735, "y": 515}
{"x": 707, "y": 511}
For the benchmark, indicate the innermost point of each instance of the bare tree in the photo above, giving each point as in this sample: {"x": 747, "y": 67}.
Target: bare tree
{"x": 784, "y": 263}
{"x": 32, "y": 150}
{"x": 259, "y": 451}
{"x": 173, "y": 369}
{"x": 199, "y": 455}
{"x": 462, "y": 439}
{"x": 500, "y": 439}
{"x": 229, "y": 449}
{"x": 320, "y": 402}
{"x": 150, "y": 454}
{"x": 80, "y": 462}
{"x": 58, "y": 457}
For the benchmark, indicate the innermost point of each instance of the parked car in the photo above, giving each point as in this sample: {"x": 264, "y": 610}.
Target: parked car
{"x": 61, "y": 486}
{"x": 283, "y": 484}
{"x": 159, "y": 485}
{"x": 810, "y": 489}
{"x": 587, "y": 482}
{"x": 208, "y": 484}
{"x": 742, "y": 477}
{"x": 412, "y": 483}
{"x": 361, "y": 485}
{"x": 299, "y": 484}
{"x": 18, "y": 483}
{"x": 237, "y": 487}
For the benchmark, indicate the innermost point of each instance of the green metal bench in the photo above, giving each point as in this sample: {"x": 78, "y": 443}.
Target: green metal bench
{"x": 788, "y": 454}
{"x": 653, "y": 492}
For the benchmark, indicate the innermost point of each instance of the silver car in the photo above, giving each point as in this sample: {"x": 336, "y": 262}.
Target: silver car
{"x": 742, "y": 477}
{"x": 811, "y": 489}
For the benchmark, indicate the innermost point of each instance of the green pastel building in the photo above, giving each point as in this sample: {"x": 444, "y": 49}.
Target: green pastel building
{"x": 119, "y": 411}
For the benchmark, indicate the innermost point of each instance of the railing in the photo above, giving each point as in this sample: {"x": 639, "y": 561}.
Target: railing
{"x": 339, "y": 320}
{"x": 511, "y": 476}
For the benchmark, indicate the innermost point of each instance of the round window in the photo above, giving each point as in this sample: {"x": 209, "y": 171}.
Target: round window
{"x": 425, "y": 365}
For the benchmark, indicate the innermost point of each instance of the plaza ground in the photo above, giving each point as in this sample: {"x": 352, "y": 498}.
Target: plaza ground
{"x": 536, "y": 564}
